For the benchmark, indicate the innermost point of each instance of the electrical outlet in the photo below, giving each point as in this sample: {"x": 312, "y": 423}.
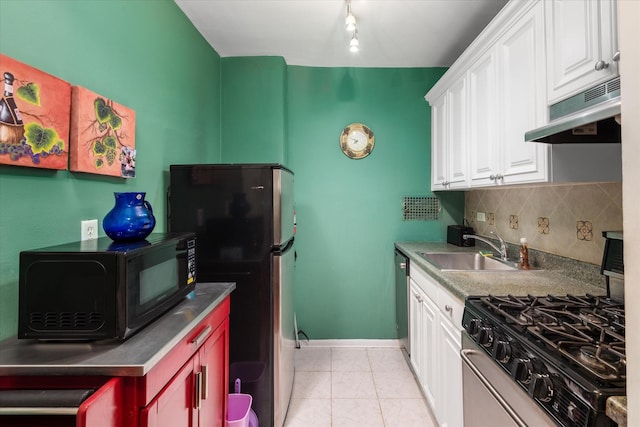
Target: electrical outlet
{"x": 480, "y": 217}
{"x": 89, "y": 229}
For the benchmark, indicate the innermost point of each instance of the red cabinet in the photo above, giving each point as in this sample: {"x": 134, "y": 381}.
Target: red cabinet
{"x": 186, "y": 386}
{"x": 197, "y": 395}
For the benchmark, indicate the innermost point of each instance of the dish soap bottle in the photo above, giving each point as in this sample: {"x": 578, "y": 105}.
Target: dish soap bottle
{"x": 524, "y": 254}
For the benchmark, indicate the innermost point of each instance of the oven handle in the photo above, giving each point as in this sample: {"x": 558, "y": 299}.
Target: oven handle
{"x": 465, "y": 353}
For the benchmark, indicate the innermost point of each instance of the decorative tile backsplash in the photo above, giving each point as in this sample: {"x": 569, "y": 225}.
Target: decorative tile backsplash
{"x": 566, "y": 220}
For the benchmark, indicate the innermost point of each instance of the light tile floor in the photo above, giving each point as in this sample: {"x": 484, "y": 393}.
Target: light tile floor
{"x": 352, "y": 387}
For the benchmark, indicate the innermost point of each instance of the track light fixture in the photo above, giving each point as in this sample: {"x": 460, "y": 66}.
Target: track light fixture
{"x": 350, "y": 25}
{"x": 354, "y": 44}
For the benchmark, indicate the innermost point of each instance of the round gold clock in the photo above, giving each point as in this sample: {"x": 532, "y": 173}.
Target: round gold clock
{"x": 356, "y": 141}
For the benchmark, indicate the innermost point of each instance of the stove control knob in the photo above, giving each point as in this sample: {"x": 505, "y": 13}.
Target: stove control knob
{"x": 485, "y": 336}
{"x": 541, "y": 387}
{"x": 521, "y": 370}
{"x": 473, "y": 326}
{"x": 502, "y": 351}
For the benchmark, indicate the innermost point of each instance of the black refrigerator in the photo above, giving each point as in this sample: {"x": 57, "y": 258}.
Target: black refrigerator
{"x": 243, "y": 215}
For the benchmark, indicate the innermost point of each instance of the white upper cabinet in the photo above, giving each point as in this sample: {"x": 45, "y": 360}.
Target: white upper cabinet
{"x": 522, "y": 100}
{"x": 499, "y": 89}
{"x": 581, "y": 45}
{"x": 449, "y": 151}
{"x": 484, "y": 152}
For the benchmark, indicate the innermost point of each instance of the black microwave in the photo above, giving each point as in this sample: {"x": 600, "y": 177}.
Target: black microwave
{"x": 101, "y": 289}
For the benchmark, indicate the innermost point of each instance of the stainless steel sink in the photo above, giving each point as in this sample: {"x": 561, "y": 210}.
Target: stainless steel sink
{"x": 467, "y": 261}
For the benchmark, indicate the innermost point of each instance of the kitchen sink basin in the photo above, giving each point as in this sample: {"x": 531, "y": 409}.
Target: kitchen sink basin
{"x": 467, "y": 261}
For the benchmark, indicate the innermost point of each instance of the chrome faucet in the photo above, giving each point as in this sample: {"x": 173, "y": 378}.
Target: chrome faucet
{"x": 502, "y": 250}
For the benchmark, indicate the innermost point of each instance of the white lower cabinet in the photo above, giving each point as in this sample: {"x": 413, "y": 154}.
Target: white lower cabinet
{"x": 435, "y": 325}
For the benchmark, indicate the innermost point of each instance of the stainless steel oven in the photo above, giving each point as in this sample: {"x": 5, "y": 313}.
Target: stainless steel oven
{"x": 564, "y": 354}
{"x": 491, "y": 398}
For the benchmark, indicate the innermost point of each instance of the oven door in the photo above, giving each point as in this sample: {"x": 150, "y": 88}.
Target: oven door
{"x": 491, "y": 397}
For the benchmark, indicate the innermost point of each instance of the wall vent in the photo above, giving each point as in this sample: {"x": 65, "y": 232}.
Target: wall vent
{"x": 420, "y": 208}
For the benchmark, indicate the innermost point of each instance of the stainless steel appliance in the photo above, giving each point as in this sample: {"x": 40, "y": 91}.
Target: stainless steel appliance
{"x": 592, "y": 116}
{"x": 244, "y": 219}
{"x": 402, "y": 298}
{"x": 554, "y": 360}
{"x": 101, "y": 289}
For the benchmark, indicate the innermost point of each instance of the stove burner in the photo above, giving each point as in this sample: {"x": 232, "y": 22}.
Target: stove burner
{"x": 590, "y": 357}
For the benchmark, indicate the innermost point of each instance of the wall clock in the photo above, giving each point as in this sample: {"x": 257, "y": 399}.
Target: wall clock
{"x": 356, "y": 141}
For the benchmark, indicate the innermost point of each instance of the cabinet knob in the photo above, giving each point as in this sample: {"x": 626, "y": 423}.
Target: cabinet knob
{"x": 601, "y": 65}
{"x": 448, "y": 308}
{"x": 492, "y": 177}
{"x": 616, "y": 57}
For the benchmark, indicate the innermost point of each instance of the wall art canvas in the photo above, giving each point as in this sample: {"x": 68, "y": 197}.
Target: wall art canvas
{"x": 102, "y": 135}
{"x": 34, "y": 117}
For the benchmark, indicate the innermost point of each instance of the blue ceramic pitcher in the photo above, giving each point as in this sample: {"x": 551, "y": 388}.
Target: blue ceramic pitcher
{"x": 130, "y": 219}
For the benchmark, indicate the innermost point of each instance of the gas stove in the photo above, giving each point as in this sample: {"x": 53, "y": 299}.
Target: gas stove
{"x": 566, "y": 352}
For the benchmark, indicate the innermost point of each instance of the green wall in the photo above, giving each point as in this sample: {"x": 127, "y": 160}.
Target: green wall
{"x": 143, "y": 54}
{"x": 194, "y": 107}
{"x": 253, "y": 110}
{"x": 349, "y": 211}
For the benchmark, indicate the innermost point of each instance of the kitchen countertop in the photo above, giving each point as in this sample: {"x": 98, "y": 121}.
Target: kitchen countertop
{"x": 135, "y": 356}
{"x": 461, "y": 284}
{"x": 538, "y": 282}
{"x": 617, "y": 409}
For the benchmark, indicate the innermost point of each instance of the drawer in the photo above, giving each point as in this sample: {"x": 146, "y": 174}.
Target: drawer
{"x": 428, "y": 285}
{"x": 451, "y": 307}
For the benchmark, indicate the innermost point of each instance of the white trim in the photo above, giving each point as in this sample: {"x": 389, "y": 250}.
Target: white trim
{"x": 350, "y": 343}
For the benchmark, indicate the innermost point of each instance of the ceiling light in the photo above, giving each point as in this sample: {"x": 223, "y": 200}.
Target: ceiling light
{"x": 350, "y": 23}
{"x": 354, "y": 45}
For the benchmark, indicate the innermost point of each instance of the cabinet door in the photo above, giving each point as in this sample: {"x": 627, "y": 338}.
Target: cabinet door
{"x": 456, "y": 142}
{"x": 415, "y": 329}
{"x": 484, "y": 154}
{"x": 580, "y": 33}
{"x": 430, "y": 350}
{"x": 450, "y": 383}
{"x": 175, "y": 405}
{"x": 439, "y": 132}
{"x": 214, "y": 360}
{"x": 522, "y": 98}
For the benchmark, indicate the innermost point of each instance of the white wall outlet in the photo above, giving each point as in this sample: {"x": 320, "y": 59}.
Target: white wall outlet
{"x": 89, "y": 229}
{"x": 480, "y": 217}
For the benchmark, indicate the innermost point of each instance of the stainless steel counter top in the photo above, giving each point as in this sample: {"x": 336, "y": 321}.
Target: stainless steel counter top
{"x": 133, "y": 357}
{"x": 464, "y": 283}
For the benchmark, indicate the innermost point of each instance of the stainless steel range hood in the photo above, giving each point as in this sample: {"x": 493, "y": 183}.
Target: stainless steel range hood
{"x": 592, "y": 116}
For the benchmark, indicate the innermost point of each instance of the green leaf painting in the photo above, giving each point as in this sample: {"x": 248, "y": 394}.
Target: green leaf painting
{"x": 103, "y": 111}
{"x": 40, "y": 139}
{"x": 30, "y": 93}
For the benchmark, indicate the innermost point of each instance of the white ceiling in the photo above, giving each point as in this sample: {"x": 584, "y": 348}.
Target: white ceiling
{"x": 392, "y": 33}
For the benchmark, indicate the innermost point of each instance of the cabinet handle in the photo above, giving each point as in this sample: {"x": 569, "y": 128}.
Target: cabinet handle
{"x": 402, "y": 265}
{"x": 198, "y": 395}
{"x": 601, "y": 65}
{"x": 616, "y": 57}
{"x": 205, "y": 382}
{"x": 201, "y": 336}
{"x": 448, "y": 308}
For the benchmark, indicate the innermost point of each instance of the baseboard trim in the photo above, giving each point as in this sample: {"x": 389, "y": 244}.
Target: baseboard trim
{"x": 350, "y": 343}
